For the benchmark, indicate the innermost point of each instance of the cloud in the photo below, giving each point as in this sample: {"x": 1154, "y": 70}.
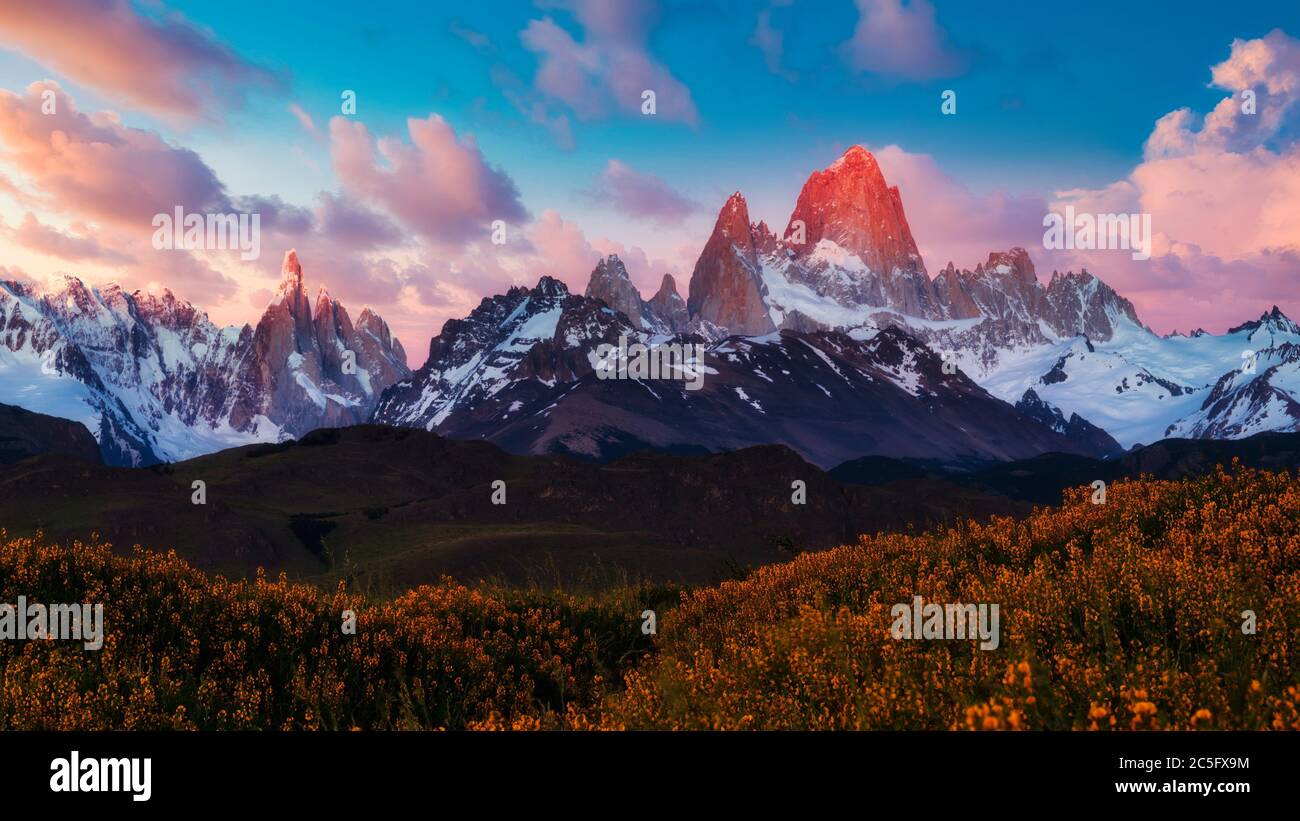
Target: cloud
{"x": 97, "y": 168}
{"x": 477, "y": 39}
{"x": 1267, "y": 68}
{"x": 35, "y": 236}
{"x": 562, "y": 250}
{"x": 162, "y": 64}
{"x": 437, "y": 185}
{"x": 951, "y": 223}
{"x": 640, "y": 195}
{"x": 305, "y": 120}
{"x": 771, "y": 41}
{"x": 902, "y": 42}
{"x": 352, "y": 223}
{"x": 448, "y": 287}
{"x": 606, "y": 70}
{"x": 534, "y": 106}
{"x": 1222, "y": 198}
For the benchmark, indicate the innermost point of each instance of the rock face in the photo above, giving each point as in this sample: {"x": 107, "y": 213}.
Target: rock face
{"x": 664, "y": 313}
{"x": 311, "y": 368}
{"x": 1076, "y": 428}
{"x": 24, "y": 434}
{"x": 520, "y": 372}
{"x": 848, "y": 261}
{"x": 726, "y": 286}
{"x": 668, "y": 305}
{"x": 154, "y": 380}
{"x": 850, "y": 207}
{"x": 611, "y": 284}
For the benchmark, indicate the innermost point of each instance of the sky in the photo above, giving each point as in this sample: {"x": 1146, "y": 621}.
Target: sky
{"x": 531, "y": 114}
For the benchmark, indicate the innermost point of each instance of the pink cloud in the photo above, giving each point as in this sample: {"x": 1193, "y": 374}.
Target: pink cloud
{"x": 640, "y": 195}
{"x": 951, "y": 223}
{"x": 534, "y": 106}
{"x": 305, "y": 120}
{"x": 562, "y": 250}
{"x": 437, "y": 185}
{"x": 771, "y": 42}
{"x": 35, "y": 236}
{"x": 97, "y": 168}
{"x": 162, "y": 64}
{"x": 903, "y": 42}
{"x": 609, "y": 68}
{"x": 1222, "y": 201}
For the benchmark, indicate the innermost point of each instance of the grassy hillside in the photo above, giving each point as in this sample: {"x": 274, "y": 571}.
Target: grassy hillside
{"x": 396, "y": 507}
{"x": 1114, "y": 616}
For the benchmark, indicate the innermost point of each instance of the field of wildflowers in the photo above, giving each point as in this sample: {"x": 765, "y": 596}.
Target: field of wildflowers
{"x": 1116, "y": 616}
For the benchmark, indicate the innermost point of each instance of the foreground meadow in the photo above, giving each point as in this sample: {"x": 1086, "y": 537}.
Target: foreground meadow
{"x": 1122, "y": 615}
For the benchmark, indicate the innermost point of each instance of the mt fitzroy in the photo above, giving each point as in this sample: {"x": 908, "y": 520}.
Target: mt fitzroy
{"x": 830, "y": 337}
{"x": 833, "y": 338}
{"x": 154, "y": 380}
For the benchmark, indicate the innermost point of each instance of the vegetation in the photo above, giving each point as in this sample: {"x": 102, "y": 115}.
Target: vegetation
{"x": 1123, "y": 615}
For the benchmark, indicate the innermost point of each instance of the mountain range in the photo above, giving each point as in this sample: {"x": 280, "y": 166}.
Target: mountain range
{"x": 829, "y": 337}
{"x": 155, "y": 381}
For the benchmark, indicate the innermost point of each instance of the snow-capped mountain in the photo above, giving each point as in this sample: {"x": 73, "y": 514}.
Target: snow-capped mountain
{"x": 521, "y": 371}
{"x": 154, "y": 380}
{"x": 848, "y": 262}
{"x": 821, "y": 337}
{"x": 810, "y": 336}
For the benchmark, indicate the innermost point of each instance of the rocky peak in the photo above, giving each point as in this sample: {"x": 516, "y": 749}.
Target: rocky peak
{"x": 667, "y": 290}
{"x": 549, "y": 286}
{"x": 291, "y": 276}
{"x": 850, "y": 204}
{"x": 1080, "y": 303}
{"x": 1015, "y": 261}
{"x": 1273, "y": 320}
{"x": 611, "y": 284}
{"x": 726, "y": 285}
{"x": 668, "y": 306}
{"x": 323, "y": 300}
{"x": 298, "y": 378}
{"x": 733, "y": 220}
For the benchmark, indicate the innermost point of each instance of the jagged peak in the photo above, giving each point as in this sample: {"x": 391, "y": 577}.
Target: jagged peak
{"x": 1272, "y": 319}
{"x": 325, "y": 304}
{"x": 550, "y": 286}
{"x": 733, "y": 220}
{"x": 854, "y": 155}
{"x": 851, "y": 204}
{"x": 291, "y": 267}
{"x": 1082, "y": 276}
{"x": 611, "y": 264}
{"x": 667, "y": 287}
{"x": 1011, "y": 261}
{"x": 291, "y": 281}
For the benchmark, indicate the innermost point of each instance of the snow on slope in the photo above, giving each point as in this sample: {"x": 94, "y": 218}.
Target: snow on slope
{"x": 1141, "y": 387}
